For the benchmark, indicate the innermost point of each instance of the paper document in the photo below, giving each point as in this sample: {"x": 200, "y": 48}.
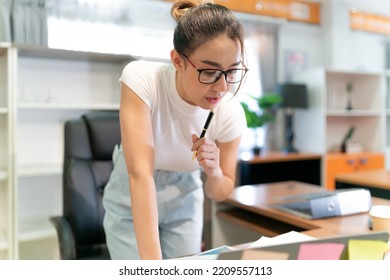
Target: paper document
{"x": 289, "y": 237}
{"x": 285, "y": 238}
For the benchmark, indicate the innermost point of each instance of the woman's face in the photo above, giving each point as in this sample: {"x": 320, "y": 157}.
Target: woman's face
{"x": 221, "y": 53}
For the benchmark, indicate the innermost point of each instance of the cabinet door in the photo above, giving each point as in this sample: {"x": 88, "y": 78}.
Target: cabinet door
{"x": 371, "y": 162}
{"x": 344, "y": 163}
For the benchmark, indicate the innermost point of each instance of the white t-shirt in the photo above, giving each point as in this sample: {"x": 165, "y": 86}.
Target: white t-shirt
{"x": 174, "y": 120}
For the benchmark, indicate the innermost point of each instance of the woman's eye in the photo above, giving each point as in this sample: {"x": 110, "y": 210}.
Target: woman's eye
{"x": 211, "y": 73}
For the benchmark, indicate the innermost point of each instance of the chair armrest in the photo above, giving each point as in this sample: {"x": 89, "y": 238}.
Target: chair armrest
{"x": 66, "y": 239}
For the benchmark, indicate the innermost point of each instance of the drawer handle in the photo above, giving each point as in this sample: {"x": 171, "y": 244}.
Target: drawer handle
{"x": 351, "y": 161}
{"x": 363, "y": 161}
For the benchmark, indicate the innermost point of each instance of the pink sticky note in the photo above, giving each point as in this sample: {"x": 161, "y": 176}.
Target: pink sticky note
{"x": 320, "y": 251}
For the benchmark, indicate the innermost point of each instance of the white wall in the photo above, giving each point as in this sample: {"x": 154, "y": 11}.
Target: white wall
{"x": 333, "y": 43}
{"x": 303, "y": 38}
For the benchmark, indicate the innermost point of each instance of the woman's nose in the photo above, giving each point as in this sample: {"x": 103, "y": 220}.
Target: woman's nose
{"x": 221, "y": 84}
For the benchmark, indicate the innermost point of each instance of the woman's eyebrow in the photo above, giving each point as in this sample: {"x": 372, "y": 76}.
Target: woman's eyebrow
{"x": 215, "y": 64}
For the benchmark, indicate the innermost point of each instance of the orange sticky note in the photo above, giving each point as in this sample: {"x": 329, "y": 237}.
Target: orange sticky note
{"x": 366, "y": 249}
{"x": 320, "y": 251}
{"x": 263, "y": 255}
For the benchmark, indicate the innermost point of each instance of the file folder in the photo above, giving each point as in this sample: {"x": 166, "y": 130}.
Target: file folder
{"x": 327, "y": 204}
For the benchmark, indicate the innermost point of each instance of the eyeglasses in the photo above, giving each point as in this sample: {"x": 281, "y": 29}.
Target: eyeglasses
{"x": 210, "y": 76}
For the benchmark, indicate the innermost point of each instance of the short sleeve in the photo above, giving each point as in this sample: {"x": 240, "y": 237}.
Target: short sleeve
{"x": 138, "y": 76}
{"x": 231, "y": 122}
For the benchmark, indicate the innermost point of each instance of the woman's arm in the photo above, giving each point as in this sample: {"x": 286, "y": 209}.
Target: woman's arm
{"x": 219, "y": 161}
{"x": 138, "y": 147}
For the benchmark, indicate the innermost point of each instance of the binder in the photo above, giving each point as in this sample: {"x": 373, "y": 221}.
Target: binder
{"x": 327, "y": 204}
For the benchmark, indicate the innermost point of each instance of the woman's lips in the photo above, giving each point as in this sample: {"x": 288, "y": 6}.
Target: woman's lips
{"x": 212, "y": 100}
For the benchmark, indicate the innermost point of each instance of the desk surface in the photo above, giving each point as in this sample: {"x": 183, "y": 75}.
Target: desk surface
{"x": 372, "y": 178}
{"x": 276, "y": 156}
{"x": 252, "y": 209}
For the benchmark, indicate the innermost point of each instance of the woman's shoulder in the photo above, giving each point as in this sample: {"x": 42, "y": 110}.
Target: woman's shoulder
{"x": 140, "y": 66}
{"x": 141, "y": 70}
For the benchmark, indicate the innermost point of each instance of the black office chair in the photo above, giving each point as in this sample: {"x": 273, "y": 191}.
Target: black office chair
{"x": 89, "y": 143}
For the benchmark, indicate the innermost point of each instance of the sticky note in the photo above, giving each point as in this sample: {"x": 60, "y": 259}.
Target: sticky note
{"x": 366, "y": 249}
{"x": 263, "y": 255}
{"x": 320, "y": 251}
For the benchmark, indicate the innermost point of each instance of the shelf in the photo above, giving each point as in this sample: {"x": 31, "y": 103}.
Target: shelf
{"x": 44, "y": 52}
{"x": 353, "y": 113}
{"x": 51, "y": 53}
{"x": 3, "y": 175}
{"x": 50, "y": 87}
{"x": 349, "y": 72}
{"x": 37, "y": 171}
{"x": 5, "y": 45}
{"x": 68, "y": 106}
{"x": 37, "y": 229}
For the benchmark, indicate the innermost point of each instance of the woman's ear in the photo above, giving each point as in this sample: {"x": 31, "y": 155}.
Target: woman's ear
{"x": 176, "y": 59}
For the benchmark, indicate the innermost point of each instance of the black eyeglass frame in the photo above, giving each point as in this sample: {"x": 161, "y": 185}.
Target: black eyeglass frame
{"x": 225, "y": 73}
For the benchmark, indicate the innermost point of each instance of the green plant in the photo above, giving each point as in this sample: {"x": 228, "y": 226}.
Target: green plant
{"x": 349, "y": 87}
{"x": 346, "y": 138}
{"x": 266, "y": 110}
{"x": 349, "y": 134}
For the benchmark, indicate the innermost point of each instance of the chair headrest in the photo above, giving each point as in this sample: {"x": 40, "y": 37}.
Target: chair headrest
{"x": 104, "y": 133}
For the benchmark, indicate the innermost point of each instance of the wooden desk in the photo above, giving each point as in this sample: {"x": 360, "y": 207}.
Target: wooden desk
{"x": 249, "y": 208}
{"x": 274, "y": 166}
{"x": 376, "y": 181}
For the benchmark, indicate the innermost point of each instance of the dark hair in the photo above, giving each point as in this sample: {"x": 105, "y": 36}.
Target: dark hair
{"x": 200, "y": 21}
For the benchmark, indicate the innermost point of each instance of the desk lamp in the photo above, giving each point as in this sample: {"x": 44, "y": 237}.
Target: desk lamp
{"x": 294, "y": 96}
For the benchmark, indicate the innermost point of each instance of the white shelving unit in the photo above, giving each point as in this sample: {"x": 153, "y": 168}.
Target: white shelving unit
{"x": 7, "y": 224}
{"x": 322, "y": 127}
{"x": 41, "y": 89}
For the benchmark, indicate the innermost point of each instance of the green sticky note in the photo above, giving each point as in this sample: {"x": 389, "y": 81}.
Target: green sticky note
{"x": 366, "y": 249}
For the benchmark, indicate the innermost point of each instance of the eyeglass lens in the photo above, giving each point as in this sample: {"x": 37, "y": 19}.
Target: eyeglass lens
{"x": 211, "y": 76}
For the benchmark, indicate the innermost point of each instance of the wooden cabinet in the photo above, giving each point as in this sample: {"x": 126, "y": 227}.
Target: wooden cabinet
{"x": 322, "y": 127}
{"x": 348, "y": 163}
{"x": 240, "y": 6}
{"x": 273, "y": 166}
{"x": 302, "y": 11}
{"x": 377, "y": 181}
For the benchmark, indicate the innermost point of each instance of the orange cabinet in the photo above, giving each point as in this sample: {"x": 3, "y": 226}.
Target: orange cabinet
{"x": 348, "y": 163}
{"x": 238, "y": 5}
{"x": 304, "y": 11}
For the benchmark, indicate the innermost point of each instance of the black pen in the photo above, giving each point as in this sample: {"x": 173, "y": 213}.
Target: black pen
{"x": 203, "y": 133}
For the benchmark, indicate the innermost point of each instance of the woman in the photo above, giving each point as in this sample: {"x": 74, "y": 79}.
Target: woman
{"x": 163, "y": 109}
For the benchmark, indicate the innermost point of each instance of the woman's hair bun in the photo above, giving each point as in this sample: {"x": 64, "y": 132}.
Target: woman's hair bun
{"x": 180, "y": 7}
